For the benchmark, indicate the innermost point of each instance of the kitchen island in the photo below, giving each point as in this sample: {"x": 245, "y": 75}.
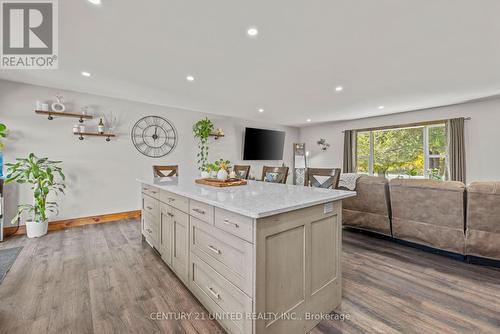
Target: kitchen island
{"x": 262, "y": 258}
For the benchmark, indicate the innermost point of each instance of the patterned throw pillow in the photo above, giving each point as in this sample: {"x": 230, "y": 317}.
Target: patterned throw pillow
{"x": 273, "y": 177}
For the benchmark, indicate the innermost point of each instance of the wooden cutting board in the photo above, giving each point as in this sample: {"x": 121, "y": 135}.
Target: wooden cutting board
{"x": 221, "y": 183}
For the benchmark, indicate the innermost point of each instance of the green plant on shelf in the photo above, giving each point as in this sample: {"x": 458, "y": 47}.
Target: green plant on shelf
{"x": 202, "y": 130}
{"x": 3, "y": 134}
{"x": 45, "y": 177}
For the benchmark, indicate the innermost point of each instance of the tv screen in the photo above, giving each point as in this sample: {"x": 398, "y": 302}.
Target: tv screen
{"x": 263, "y": 144}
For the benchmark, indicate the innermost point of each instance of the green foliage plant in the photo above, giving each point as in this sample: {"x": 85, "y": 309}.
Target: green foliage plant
{"x": 3, "y": 134}
{"x": 45, "y": 176}
{"x": 202, "y": 130}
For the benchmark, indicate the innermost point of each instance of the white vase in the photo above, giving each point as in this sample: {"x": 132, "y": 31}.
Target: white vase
{"x": 222, "y": 174}
{"x": 36, "y": 229}
{"x": 213, "y": 174}
{"x": 205, "y": 175}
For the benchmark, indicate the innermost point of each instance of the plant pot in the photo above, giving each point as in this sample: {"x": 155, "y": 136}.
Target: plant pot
{"x": 205, "y": 175}
{"x": 36, "y": 229}
{"x": 213, "y": 174}
{"x": 222, "y": 174}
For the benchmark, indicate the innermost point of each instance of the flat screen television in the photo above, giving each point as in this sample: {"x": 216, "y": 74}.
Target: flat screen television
{"x": 263, "y": 144}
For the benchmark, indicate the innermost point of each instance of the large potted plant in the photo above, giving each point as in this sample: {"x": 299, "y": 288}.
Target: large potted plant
{"x": 46, "y": 178}
{"x": 202, "y": 130}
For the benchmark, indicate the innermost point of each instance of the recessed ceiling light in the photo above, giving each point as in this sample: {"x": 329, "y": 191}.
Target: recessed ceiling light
{"x": 190, "y": 78}
{"x": 339, "y": 88}
{"x": 381, "y": 107}
{"x": 252, "y": 32}
{"x": 308, "y": 120}
{"x": 95, "y": 2}
{"x": 261, "y": 110}
{"x": 86, "y": 74}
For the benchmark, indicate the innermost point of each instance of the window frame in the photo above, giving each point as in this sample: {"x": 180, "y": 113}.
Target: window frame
{"x": 425, "y": 145}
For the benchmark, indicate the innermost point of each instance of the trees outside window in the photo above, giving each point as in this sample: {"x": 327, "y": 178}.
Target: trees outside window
{"x": 414, "y": 152}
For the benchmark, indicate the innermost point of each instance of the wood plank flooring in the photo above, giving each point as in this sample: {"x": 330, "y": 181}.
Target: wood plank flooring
{"x": 102, "y": 279}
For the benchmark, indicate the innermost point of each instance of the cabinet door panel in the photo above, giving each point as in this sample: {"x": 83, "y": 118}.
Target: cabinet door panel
{"x": 166, "y": 239}
{"x": 180, "y": 249}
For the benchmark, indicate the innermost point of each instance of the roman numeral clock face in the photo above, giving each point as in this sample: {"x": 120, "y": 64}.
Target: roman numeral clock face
{"x": 154, "y": 136}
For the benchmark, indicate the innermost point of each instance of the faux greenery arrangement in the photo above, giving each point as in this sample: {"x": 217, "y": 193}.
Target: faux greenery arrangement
{"x": 202, "y": 130}
{"x": 45, "y": 176}
{"x": 3, "y": 134}
{"x": 218, "y": 165}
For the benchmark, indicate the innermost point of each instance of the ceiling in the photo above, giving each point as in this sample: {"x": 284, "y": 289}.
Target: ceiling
{"x": 401, "y": 54}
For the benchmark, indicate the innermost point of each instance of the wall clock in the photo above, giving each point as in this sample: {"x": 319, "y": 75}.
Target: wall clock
{"x": 154, "y": 136}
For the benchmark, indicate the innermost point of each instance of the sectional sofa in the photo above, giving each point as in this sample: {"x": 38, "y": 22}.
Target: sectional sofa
{"x": 443, "y": 215}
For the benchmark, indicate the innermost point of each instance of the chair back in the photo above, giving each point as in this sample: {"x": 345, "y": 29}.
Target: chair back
{"x": 242, "y": 171}
{"x": 332, "y": 180}
{"x": 165, "y": 171}
{"x": 274, "y": 174}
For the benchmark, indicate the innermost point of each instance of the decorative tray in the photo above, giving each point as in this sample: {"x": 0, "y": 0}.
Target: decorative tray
{"x": 221, "y": 183}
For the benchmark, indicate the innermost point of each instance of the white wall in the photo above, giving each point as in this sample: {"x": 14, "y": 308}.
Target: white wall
{"x": 101, "y": 175}
{"x": 482, "y": 136}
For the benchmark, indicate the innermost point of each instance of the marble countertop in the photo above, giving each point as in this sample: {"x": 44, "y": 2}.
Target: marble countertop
{"x": 255, "y": 200}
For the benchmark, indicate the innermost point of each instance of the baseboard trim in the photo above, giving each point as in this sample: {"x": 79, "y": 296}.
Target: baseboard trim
{"x": 74, "y": 222}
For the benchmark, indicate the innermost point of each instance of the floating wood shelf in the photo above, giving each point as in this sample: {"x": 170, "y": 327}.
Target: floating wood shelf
{"x": 217, "y": 136}
{"x": 53, "y": 114}
{"x": 81, "y": 135}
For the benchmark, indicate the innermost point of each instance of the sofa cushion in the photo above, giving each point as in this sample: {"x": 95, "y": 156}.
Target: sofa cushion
{"x": 429, "y": 212}
{"x": 483, "y": 220}
{"x": 429, "y": 184}
{"x": 369, "y": 210}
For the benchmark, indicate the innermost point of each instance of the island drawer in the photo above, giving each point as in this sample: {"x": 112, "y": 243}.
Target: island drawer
{"x": 178, "y": 202}
{"x": 151, "y": 191}
{"x": 202, "y": 211}
{"x": 231, "y": 256}
{"x": 212, "y": 289}
{"x": 151, "y": 206}
{"x": 235, "y": 224}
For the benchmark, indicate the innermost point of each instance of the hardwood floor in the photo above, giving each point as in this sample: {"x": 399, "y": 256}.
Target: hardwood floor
{"x": 102, "y": 279}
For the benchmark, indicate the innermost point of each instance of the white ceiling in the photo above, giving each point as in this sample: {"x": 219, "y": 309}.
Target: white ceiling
{"x": 402, "y": 54}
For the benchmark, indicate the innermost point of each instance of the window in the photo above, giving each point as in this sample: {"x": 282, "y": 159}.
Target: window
{"x": 413, "y": 152}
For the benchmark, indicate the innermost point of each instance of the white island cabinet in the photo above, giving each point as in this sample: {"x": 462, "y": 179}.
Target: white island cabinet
{"x": 262, "y": 258}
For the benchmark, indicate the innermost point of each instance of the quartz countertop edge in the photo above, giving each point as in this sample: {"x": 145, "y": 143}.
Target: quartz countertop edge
{"x": 265, "y": 200}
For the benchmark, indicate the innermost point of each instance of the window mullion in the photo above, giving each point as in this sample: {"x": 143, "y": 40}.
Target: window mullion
{"x": 426, "y": 152}
{"x": 372, "y": 157}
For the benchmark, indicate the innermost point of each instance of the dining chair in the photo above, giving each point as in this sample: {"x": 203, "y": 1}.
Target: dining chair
{"x": 274, "y": 174}
{"x": 242, "y": 171}
{"x": 165, "y": 171}
{"x": 332, "y": 181}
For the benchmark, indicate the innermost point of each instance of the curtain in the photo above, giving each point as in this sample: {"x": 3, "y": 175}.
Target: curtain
{"x": 456, "y": 149}
{"x": 349, "y": 166}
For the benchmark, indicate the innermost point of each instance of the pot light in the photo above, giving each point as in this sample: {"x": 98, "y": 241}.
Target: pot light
{"x": 261, "y": 110}
{"x": 190, "y": 78}
{"x": 252, "y": 32}
{"x": 86, "y": 74}
{"x": 381, "y": 107}
{"x": 308, "y": 120}
{"x": 339, "y": 88}
{"x": 95, "y": 2}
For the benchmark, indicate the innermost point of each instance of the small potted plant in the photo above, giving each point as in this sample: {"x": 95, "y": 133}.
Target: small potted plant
{"x": 46, "y": 177}
{"x": 222, "y": 169}
{"x": 211, "y": 170}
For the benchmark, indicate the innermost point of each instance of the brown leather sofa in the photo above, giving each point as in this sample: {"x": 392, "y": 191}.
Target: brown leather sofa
{"x": 429, "y": 213}
{"x": 370, "y": 209}
{"x": 483, "y": 220}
